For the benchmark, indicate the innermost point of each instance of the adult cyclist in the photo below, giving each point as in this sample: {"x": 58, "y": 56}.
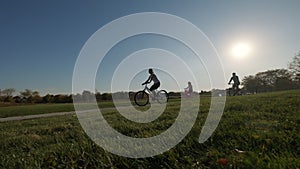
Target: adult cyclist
{"x": 156, "y": 82}
{"x": 236, "y": 83}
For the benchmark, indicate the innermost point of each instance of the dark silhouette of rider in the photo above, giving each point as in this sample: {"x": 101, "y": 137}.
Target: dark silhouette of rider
{"x": 156, "y": 82}
{"x": 236, "y": 83}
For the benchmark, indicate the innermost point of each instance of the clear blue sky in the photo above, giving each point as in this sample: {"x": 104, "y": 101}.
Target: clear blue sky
{"x": 41, "y": 40}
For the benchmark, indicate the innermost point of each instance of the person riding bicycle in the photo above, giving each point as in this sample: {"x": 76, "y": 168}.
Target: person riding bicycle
{"x": 189, "y": 89}
{"x": 156, "y": 82}
{"x": 236, "y": 83}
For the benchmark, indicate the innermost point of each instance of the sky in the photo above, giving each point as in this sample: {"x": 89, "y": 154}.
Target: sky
{"x": 40, "y": 41}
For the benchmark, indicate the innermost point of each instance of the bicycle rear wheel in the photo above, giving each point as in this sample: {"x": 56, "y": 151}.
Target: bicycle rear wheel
{"x": 141, "y": 98}
{"x": 162, "y": 96}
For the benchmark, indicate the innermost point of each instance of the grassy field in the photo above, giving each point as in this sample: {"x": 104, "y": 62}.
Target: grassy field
{"x": 24, "y": 110}
{"x": 256, "y": 131}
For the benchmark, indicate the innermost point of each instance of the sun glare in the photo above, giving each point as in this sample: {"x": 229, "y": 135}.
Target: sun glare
{"x": 241, "y": 50}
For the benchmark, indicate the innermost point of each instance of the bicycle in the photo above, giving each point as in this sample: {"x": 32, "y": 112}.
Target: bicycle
{"x": 187, "y": 93}
{"x": 141, "y": 98}
{"x": 234, "y": 90}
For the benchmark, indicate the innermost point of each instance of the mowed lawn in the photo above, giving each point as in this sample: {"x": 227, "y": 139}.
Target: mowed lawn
{"x": 256, "y": 131}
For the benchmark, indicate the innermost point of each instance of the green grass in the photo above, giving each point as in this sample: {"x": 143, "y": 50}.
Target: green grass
{"x": 34, "y": 109}
{"x": 24, "y": 110}
{"x": 265, "y": 126}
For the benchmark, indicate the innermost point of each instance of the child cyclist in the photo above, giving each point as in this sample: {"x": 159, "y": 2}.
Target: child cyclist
{"x": 156, "y": 82}
{"x": 189, "y": 89}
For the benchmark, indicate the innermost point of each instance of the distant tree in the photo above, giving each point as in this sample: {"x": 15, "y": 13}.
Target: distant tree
{"x": 7, "y": 95}
{"x": 98, "y": 96}
{"x": 131, "y": 95}
{"x": 87, "y": 96}
{"x": 48, "y": 98}
{"x": 120, "y": 95}
{"x": 8, "y": 92}
{"x": 270, "y": 80}
{"x": 295, "y": 64}
{"x": 26, "y": 93}
{"x": 36, "y": 98}
{"x": 8, "y": 99}
{"x": 106, "y": 96}
{"x": 17, "y": 99}
{"x": 77, "y": 97}
{"x": 284, "y": 83}
{"x": 251, "y": 84}
{"x": 30, "y": 96}
{"x": 60, "y": 98}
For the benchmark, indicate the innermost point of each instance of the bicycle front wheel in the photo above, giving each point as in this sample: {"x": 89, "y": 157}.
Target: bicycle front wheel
{"x": 141, "y": 98}
{"x": 162, "y": 96}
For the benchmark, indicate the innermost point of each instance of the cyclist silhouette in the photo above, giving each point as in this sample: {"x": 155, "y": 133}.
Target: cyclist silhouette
{"x": 156, "y": 82}
{"x": 189, "y": 89}
{"x": 236, "y": 83}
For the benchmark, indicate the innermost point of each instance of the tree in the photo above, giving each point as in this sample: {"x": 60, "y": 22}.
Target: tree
{"x": 8, "y": 92}
{"x": 270, "y": 80}
{"x": 106, "y": 96}
{"x": 294, "y": 66}
{"x": 48, "y": 98}
{"x": 283, "y": 83}
{"x": 36, "y": 98}
{"x": 7, "y": 95}
{"x": 31, "y": 96}
{"x": 98, "y": 96}
{"x": 17, "y": 99}
{"x": 60, "y": 98}
{"x": 87, "y": 96}
{"x": 27, "y": 93}
{"x": 251, "y": 84}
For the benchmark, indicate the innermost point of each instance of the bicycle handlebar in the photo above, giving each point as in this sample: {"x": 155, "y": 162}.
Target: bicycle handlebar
{"x": 145, "y": 84}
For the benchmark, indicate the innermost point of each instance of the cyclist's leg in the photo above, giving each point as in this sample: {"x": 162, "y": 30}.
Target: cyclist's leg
{"x": 154, "y": 87}
{"x": 191, "y": 92}
{"x": 234, "y": 89}
{"x": 238, "y": 90}
{"x": 231, "y": 91}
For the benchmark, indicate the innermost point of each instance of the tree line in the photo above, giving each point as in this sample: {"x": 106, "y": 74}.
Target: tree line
{"x": 270, "y": 80}
{"x": 274, "y": 80}
{"x": 30, "y": 97}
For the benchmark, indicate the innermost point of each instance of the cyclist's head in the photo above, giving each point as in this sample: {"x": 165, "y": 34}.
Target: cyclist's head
{"x": 150, "y": 71}
{"x": 233, "y": 74}
{"x": 189, "y": 83}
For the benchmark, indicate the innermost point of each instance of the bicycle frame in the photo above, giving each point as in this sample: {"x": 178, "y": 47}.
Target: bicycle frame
{"x": 160, "y": 96}
{"x": 233, "y": 90}
{"x": 148, "y": 89}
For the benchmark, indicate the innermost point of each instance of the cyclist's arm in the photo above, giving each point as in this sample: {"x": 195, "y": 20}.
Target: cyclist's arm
{"x": 148, "y": 80}
{"x": 230, "y": 80}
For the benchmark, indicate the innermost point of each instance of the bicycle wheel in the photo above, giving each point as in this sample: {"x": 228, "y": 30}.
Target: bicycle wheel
{"x": 162, "y": 96}
{"x": 230, "y": 92}
{"x": 141, "y": 98}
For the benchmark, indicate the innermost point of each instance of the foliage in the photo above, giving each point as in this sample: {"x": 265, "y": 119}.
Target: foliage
{"x": 271, "y": 80}
{"x": 295, "y": 65}
{"x": 7, "y": 92}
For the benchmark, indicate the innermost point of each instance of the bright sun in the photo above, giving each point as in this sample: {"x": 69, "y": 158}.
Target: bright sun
{"x": 241, "y": 50}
